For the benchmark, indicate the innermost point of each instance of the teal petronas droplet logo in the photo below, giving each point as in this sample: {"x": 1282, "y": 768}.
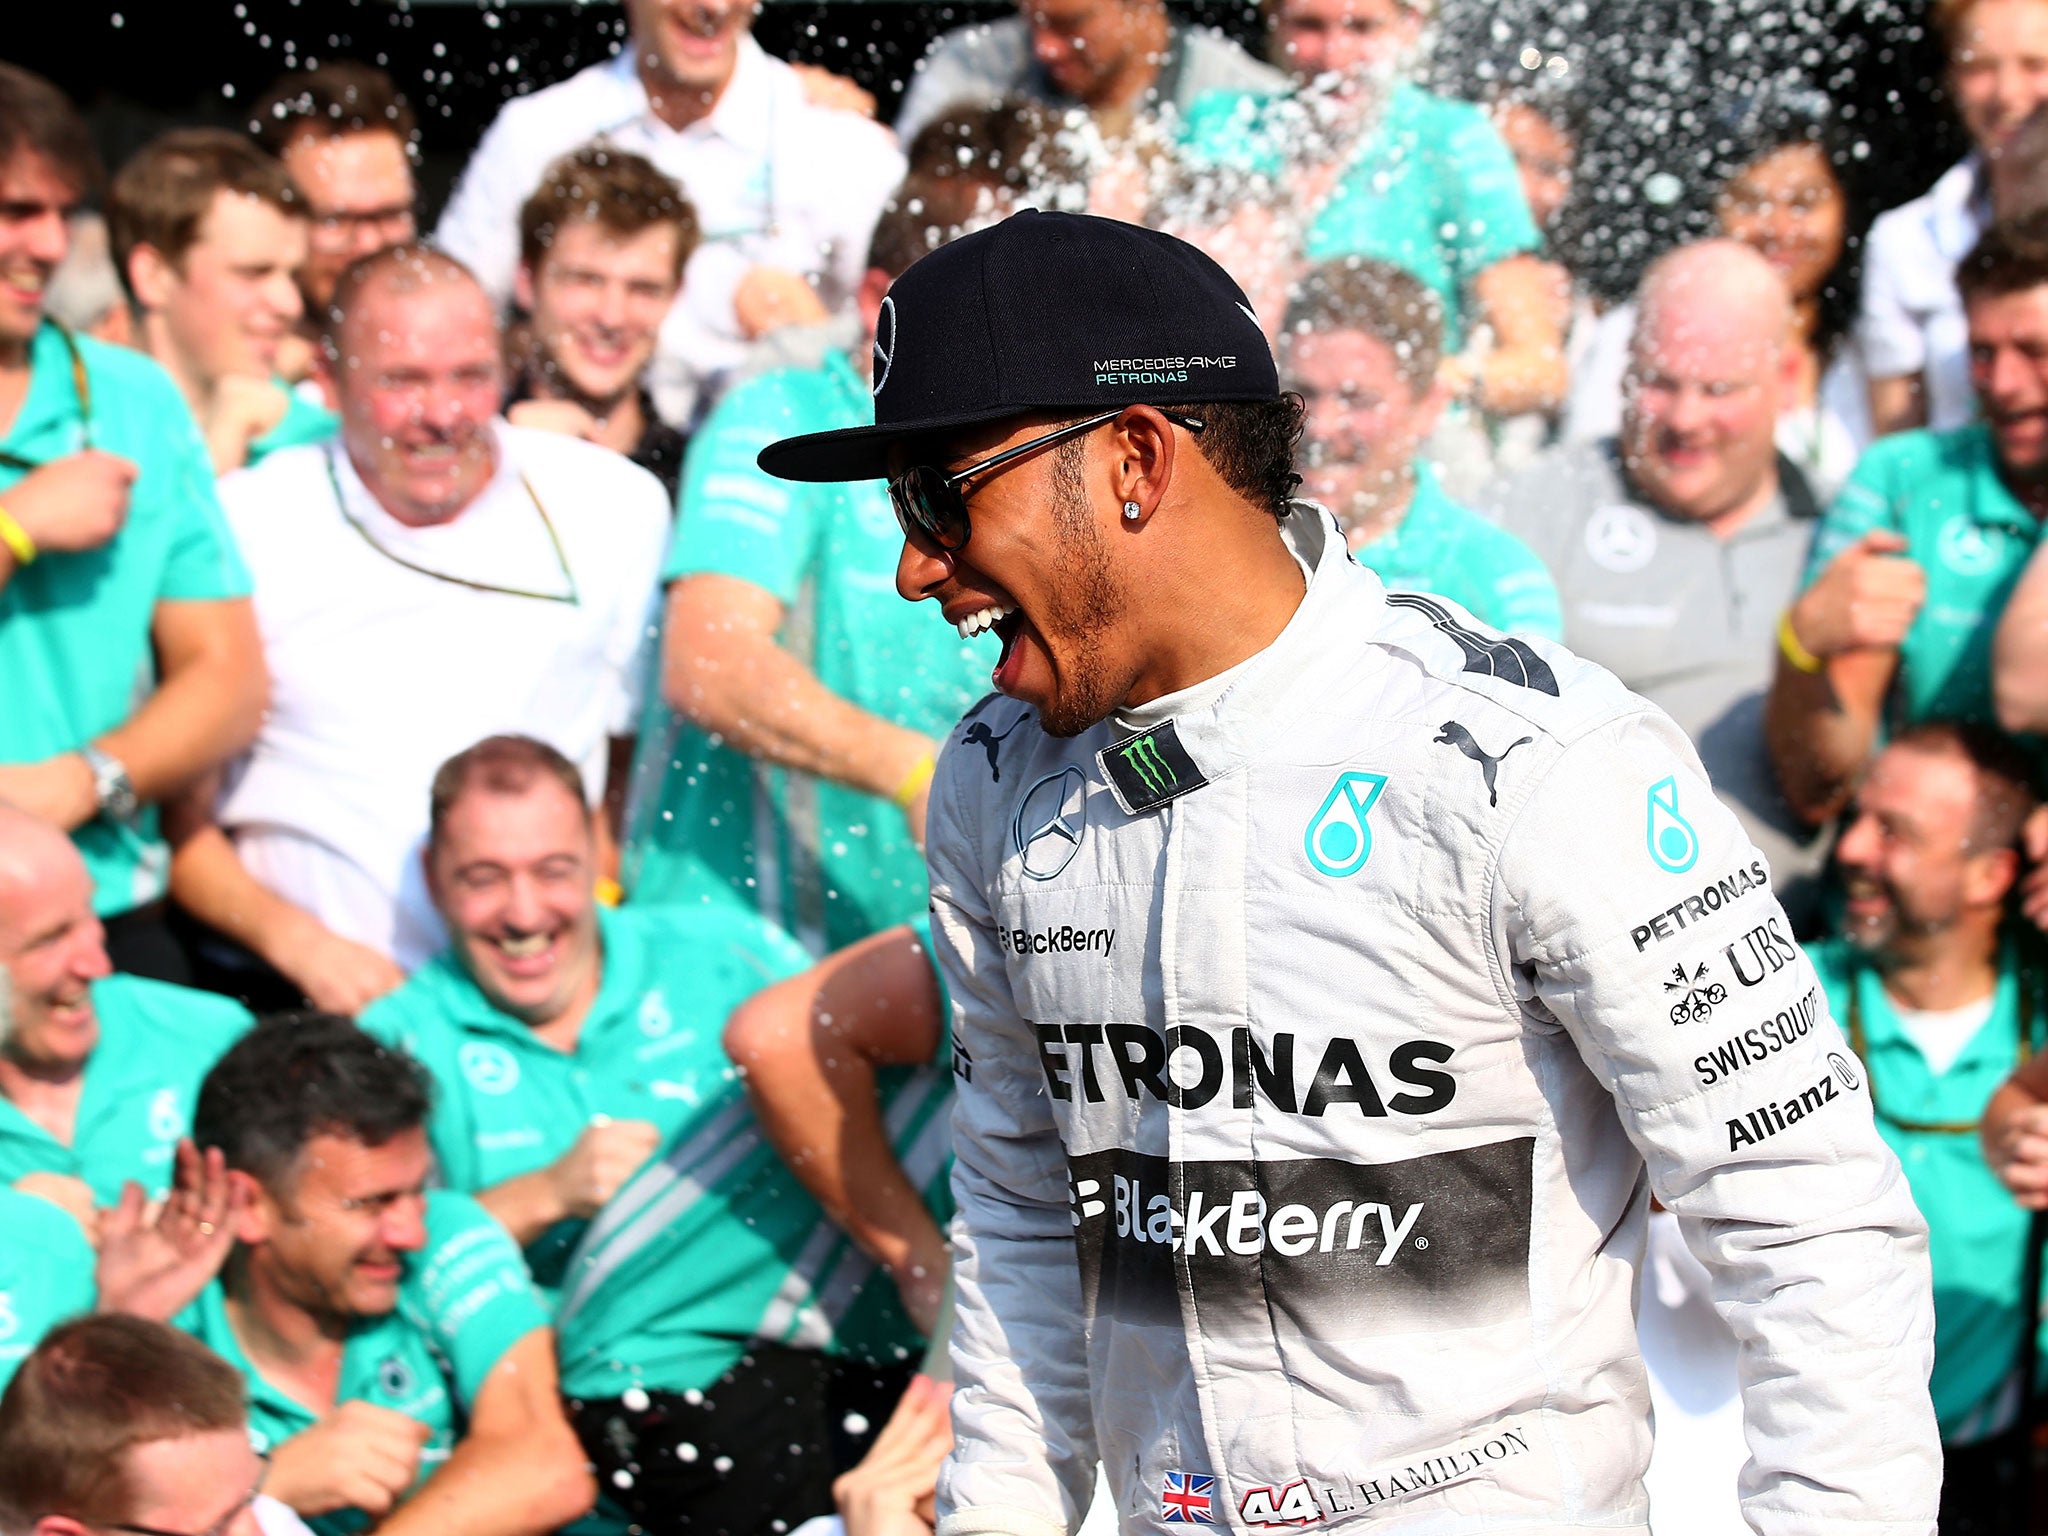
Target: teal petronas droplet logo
{"x": 1338, "y": 841}
{"x": 1673, "y": 844}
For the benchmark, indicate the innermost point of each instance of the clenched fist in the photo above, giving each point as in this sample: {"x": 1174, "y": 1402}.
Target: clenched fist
{"x": 608, "y": 1153}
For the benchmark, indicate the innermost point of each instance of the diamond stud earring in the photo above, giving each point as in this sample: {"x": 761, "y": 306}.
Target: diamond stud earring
{"x": 1132, "y": 511}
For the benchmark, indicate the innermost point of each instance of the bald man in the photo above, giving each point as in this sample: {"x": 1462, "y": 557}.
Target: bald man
{"x": 1677, "y": 544}
{"x": 431, "y": 577}
{"x": 98, "y": 1072}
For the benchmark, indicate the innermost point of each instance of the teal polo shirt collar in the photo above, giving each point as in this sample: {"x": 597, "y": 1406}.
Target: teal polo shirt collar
{"x": 52, "y": 402}
{"x": 1877, "y": 1022}
{"x": 1995, "y": 505}
{"x": 623, "y": 980}
{"x": 218, "y": 1332}
{"x": 1421, "y": 521}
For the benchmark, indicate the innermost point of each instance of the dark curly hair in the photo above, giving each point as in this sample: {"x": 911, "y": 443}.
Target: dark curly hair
{"x": 300, "y": 1075}
{"x": 1251, "y": 444}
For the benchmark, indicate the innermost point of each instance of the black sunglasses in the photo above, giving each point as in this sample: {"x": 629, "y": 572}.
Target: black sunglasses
{"x": 928, "y": 500}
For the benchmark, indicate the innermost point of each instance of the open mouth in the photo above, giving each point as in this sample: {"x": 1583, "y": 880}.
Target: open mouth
{"x": 1010, "y": 630}
{"x": 525, "y": 955}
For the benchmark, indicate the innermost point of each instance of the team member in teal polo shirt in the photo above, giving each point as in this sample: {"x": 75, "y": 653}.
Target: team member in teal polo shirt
{"x": 559, "y": 1072}
{"x": 45, "y": 1274}
{"x": 97, "y": 1072}
{"x": 799, "y": 695}
{"x": 1361, "y": 346}
{"x": 1939, "y": 1010}
{"x": 210, "y": 235}
{"x": 119, "y": 581}
{"x": 585, "y": 1099}
{"x": 1921, "y": 554}
{"x": 1431, "y": 188}
{"x": 399, "y": 1362}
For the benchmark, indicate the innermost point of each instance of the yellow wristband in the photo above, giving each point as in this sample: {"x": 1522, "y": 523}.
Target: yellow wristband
{"x": 914, "y": 781}
{"x": 16, "y": 538}
{"x": 1801, "y": 658}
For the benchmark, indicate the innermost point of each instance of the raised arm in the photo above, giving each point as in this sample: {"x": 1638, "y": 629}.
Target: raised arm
{"x": 1834, "y": 669}
{"x": 808, "y": 1049}
{"x": 723, "y": 668}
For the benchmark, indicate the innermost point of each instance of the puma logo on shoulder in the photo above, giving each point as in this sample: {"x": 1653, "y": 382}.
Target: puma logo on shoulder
{"x": 1452, "y": 734}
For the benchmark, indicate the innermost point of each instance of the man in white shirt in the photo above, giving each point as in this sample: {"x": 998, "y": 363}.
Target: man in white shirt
{"x": 786, "y": 191}
{"x": 1911, "y": 329}
{"x": 434, "y": 577}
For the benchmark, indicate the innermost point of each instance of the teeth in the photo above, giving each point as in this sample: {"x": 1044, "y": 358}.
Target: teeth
{"x": 526, "y": 948}
{"x": 987, "y": 619}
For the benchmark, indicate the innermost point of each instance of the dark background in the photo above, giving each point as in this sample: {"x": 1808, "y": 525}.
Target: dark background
{"x": 1652, "y": 76}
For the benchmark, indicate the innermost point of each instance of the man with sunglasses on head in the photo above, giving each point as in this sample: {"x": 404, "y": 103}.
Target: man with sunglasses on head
{"x": 786, "y": 763}
{"x": 129, "y": 663}
{"x": 430, "y": 577}
{"x": 1317, "y": 963}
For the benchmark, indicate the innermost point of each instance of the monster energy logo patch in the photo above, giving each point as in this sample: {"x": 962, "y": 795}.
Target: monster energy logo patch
{"x": 1149, "y": 769}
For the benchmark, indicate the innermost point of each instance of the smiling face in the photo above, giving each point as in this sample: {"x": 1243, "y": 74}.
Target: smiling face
{"x": 1545, "y": 158}
{"x": 512, "y": 875}
{"x": 1363, "y": 424}
{"x": 51, "y": 946}
{"x": 1909, "y": 871}
{"x": 36, "y": 201}
{"x": 691, "y": 44}
{"x": 1788, "y": 207}
{"x": 1707, "y": 371}
{"x": 1085, "y": 45}
{"x": 1339, "y": 41}
{"x": 229, "y": 303}
{"x": 1043, "y": 556}
{"x": 418, "y": 379}
{"x": 2009, "y": 367}
{"x": 333, "y": 1237}
{"x": 598, "y": 301}
{"x": 358, "y": 189}
{"x": 1998, "y": 68}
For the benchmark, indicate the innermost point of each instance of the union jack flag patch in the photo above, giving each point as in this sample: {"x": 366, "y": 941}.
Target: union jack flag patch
{"x": 1188, "y": 1499}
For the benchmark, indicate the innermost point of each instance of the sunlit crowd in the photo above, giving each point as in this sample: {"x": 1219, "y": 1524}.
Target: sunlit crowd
{"x": 469, "y": 1054}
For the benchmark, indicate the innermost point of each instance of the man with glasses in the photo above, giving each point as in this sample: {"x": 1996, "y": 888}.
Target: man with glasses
{"x": 129, "y": 662}
{"x": 786, "y": 764}
{"x": 432, "y": 577}
{"x": 1361, "y": 344}
{"x": 398, "y": 1362}
{"x": 346, "y": 137}
{"x": 119, "y": 1424}
{"x": 1316, "y": 962}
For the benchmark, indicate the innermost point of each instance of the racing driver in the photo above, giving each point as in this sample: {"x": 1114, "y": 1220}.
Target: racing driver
{"x": 1336, "y": 981}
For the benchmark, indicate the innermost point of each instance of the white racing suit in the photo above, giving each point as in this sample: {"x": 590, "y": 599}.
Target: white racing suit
{"x": 1312, "y": 1046}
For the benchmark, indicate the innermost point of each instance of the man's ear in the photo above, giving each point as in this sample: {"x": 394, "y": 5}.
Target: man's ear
{"x": 58, "y": 1525}
{"x": 150, "y": 277}
{"x": 255, "y": 1212}
{"x": 1145, "y": 443}
{"x": 1989, "y": 878}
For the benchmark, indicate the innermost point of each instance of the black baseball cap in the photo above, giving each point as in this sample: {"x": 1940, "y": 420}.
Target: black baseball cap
{"x": 1044, "y": 311}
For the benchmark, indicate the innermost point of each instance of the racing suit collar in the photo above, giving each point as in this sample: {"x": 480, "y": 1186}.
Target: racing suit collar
{"x": 1174, "y": 745}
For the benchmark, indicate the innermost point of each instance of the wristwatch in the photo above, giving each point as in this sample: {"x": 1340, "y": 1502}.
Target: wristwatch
{"x": 112, "y": 789}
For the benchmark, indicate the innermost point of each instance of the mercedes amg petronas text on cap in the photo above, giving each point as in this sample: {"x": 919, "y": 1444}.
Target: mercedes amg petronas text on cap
{"x": 1044, "y": 311}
